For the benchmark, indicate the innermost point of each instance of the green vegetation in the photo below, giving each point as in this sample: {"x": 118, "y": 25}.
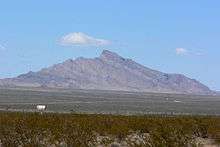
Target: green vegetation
{"x": 51, "y": 129}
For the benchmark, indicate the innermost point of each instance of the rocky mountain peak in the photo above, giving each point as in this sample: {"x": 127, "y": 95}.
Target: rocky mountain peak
{"x": 112, "y": 56}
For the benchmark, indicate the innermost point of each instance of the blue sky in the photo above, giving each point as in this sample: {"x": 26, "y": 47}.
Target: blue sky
{"x": 171, "y": 36}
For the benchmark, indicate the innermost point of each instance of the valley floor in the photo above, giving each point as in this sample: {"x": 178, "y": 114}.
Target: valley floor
{"x": 108, "y": 102}
{"x": 107, "y": 118}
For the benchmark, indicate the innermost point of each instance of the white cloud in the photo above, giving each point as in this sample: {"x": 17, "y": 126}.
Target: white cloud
{"x": 181, "y": 51}
{"x": 79, "y": 38}
{"x": 199, "y": 54}
{"x": 2, "y": 48}
{"x": 184, "y": 51}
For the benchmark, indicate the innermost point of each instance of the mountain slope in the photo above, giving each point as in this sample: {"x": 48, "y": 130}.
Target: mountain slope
{"x": 108, "y": 72}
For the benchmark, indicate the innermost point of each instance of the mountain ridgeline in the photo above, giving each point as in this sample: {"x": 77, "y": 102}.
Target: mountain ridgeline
{"x": 109, "y": 71}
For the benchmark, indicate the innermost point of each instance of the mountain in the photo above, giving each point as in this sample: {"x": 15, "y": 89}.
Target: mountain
{"x": 109, "y": 71}
{"x": 217, "y": 92}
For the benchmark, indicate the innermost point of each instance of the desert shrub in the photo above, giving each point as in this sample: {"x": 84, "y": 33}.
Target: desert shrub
{"x": 33, "y": 129}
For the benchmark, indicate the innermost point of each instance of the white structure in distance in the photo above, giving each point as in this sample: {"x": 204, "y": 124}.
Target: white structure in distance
{"x": 176, "y": 101}
{"x": 41, "y": 107}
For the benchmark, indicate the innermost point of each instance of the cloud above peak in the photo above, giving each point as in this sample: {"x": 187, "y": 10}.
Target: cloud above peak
{"x": 184, "y": 51}
{"x": 82, "y": 39}
{"x": 181, "y": 51}
{"x": 2, "y": 48}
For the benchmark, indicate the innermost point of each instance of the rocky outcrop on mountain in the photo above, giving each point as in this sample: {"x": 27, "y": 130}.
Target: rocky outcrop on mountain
{"x": 109, "y": 71}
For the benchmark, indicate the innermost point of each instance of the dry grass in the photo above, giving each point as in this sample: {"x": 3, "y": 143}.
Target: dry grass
{"x": 33, "y": 129}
